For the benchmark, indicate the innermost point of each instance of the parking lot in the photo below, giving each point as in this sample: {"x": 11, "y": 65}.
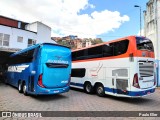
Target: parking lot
{"x": 74, "y": 100}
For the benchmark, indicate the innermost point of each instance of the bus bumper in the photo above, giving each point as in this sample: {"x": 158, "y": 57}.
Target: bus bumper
{"x": 141, "y": 93}
{"x": 46, "y": 91}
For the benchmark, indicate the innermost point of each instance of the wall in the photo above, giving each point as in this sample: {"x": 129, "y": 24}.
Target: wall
{"x": 9, "y": 22}
{"x": 14, "y": 33}
{"x": 43, "y": 32}
{"x": 152, "y": 29}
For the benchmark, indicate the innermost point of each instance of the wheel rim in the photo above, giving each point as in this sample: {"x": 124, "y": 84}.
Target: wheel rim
{"x": 24, "y": 88}
{"x": 88, "y": 87}
{"x": 19, "y": 86}
{"x": 100, "y": 90}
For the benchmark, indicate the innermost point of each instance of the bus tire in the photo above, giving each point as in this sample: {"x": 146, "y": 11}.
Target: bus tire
{"x": 20, "y": 87}
{"x": 6, "y": 81}
{"x": 24, "y": 89}
{"x": 88, "y": 88}
{"x": 100, "y": 90}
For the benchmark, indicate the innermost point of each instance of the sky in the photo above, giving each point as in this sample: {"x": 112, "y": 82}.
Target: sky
{"x": 106, "y": 19}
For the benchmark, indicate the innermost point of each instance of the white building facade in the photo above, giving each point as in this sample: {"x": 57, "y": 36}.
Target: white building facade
{"x": 17, "y": 35}
{"x": 152, "y": 29}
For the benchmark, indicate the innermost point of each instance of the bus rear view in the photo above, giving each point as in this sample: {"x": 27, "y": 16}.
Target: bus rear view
{"x": 54, "y": 69}
{"x": 40, "y": 69}
{"x": 144, "y": 80}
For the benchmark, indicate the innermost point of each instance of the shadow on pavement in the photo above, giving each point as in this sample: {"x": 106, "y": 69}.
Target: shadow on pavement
{"x": 76, "y": 89}
{"x": 140, "y": 100}
{"x": 38, "y": 97}
{"x": 46, "y": 98}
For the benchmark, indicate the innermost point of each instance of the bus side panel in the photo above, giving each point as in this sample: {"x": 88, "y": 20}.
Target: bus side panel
{"x": 113, "y": 76}
{"x": 18, "y": 72}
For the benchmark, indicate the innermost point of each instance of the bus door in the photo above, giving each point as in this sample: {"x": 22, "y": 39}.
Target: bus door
{"x": 31, "y": 83}
{"x": 33, "y": 67}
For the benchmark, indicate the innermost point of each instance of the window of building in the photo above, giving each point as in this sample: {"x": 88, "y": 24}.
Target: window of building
{"x": 1, "y": 39}
{"x": 4, "y": 39}
{"x": 20, "y": 39}
{"x": 31, "y": 42}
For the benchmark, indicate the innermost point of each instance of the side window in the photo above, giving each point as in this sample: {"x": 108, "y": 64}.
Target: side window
{"x": 79, "y": 55}
{"x": 120, "y": 47}
{"x": 107, "y": 50}
{"x": 24, "y": 57}
{"x": 95, "y": 52}
{"x": 78, "y": 72}
{"x": 29, "y": 56}
{"x": 74, "y": 55}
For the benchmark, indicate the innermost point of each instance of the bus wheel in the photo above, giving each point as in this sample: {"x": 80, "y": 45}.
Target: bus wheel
{"x": 24, "y": 89}
{"x": 100, "y": 90}
{"x": 6, "y": 81}
{"x": 20, "y": 87}
{"x": 88, "y": 88}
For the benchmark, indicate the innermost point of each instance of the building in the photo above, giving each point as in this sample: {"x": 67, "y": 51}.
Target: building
{"x": 152, "y": 29}
{"x": 16, "y": 35}
{"x": 74, "y": 42}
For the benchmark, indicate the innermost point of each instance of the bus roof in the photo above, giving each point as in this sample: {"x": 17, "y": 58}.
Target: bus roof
{"x": 105, "y": 43}
{"x": 34, "y": 46}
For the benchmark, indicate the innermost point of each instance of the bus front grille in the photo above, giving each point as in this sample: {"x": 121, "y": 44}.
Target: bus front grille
{"x": 146, "y": 69}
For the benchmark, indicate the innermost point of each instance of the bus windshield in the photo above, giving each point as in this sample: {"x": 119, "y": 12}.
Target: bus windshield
{"x": 144, "y": 44}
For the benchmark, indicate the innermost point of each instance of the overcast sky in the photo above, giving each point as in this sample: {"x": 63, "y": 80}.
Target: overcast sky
{"x": 84, "y": 18}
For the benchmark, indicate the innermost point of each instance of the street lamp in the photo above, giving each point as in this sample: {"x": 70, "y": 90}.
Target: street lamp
{"x": 140, "y": 16}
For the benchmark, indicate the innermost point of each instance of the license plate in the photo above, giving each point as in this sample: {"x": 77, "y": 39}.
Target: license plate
{"x": 148, "y": 92}
{"x": 56, "y": 91}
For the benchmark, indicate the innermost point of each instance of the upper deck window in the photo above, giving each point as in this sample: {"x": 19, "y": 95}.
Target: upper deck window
{"x": 25, "y": 57}
{"x": 106, "y": 50}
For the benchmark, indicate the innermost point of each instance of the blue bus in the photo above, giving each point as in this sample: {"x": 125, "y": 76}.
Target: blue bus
{"x": 40, "y": 69}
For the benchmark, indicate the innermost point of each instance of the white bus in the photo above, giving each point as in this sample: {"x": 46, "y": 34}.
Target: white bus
{"x": 124, "y": 67}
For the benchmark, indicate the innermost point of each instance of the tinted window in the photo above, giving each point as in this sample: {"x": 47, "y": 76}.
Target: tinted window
{"x": 25, "y": 57}
{"x": 95, "y": 52}
{"x": 78, "y": 72}
{"x": 74, "y": 55}
{"x": 144, "y": 44}
{"x": 112, "y": 49}
{"x": 107, "y": 50}
{"x": 79, "y": 55}
{"x": 120, "y": 47}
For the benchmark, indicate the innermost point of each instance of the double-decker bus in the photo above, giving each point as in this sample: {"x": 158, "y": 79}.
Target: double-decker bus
{"x": 40, "y": 69}
{"x": 124, "y": 67}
